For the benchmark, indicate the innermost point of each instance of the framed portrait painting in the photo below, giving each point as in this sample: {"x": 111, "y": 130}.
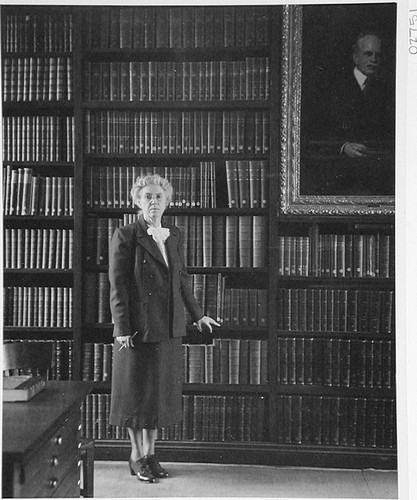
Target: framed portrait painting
{"x": 338, "y": 109}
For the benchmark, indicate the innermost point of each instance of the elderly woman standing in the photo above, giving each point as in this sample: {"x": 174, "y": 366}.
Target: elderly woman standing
{"x": 148, "y": 290}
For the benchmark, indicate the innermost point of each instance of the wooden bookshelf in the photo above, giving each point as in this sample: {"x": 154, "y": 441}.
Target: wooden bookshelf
{"x": 196, "y": 100}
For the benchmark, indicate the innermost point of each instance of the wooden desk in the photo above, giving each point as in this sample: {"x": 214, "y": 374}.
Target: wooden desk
{"x": 41, "y": 442}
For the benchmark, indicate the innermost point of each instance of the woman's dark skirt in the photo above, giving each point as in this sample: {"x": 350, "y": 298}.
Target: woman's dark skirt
{"x": 147, "y": 385}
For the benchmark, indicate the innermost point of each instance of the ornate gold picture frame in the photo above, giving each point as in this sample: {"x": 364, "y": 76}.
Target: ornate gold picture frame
{"x": 295, "y": 199}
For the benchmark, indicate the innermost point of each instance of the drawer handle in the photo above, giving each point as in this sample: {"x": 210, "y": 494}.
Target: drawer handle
{"x": 54, "y": 461}
{"x": 58, "y": 440}
{"x": 53, "y": 483}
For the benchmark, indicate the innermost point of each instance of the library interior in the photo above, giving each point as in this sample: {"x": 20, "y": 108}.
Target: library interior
{"x": 301, "y": 372}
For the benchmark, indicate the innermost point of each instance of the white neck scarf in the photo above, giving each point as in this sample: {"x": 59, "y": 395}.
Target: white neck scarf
{"x": 159, "y": 234}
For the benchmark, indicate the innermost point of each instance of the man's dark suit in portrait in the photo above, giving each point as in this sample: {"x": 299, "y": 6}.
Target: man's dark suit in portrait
{"x": 358, "y": 125}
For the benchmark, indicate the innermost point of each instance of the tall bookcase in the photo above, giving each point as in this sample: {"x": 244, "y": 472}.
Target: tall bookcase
{"x": 335, "y": 338}
{"x": 301, "y": 371}
{"x": 38, "y": 178}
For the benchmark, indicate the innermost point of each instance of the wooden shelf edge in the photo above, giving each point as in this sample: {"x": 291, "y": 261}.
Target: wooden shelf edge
{"x": 31, "y": 106}
{"x": 335, "y": 391}
{"x": 195, "y": 104}
{"x": 186, "y": 53}
{"x": 191, "y": 388}
{"x": 336, "y": 335}
{"x": 257, "y": 453}
{"x": 351, "y": 280}
{"x": 31, "y": 270}
{"x": 106, "y": 212}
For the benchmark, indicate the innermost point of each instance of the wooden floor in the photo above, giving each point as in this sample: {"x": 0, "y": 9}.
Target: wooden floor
{"x": 113, "y": 480}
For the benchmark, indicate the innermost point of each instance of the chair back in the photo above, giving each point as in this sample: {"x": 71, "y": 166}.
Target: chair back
{"x": 24, "y": 355}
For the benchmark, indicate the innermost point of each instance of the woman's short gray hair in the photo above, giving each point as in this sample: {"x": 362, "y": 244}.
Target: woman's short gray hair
{"x": 148, "y": 180}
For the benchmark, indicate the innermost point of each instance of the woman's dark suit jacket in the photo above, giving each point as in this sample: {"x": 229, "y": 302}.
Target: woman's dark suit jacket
{"x": 145, "y": 295}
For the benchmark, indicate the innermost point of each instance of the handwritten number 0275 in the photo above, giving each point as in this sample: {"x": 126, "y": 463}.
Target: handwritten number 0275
{"x": 412, "y": 36}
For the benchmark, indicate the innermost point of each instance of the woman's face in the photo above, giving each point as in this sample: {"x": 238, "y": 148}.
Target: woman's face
{"x": 152, "y": 202}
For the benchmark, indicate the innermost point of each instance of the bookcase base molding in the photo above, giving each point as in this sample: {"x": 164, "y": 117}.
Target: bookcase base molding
{"x": 255, "y": 454}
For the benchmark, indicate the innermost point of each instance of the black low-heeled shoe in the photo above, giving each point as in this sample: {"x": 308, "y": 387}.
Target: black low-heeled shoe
{"x": 141, "y": 470}
{"x": 155, "y": 467}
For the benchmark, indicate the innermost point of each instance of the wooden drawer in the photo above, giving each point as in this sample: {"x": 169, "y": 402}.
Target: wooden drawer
{"x": 69, "y": 486}
{"x": 57, "y": 458}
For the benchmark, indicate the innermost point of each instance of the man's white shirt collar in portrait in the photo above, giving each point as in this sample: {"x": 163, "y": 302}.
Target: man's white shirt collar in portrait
{"x": 360, "y": 77}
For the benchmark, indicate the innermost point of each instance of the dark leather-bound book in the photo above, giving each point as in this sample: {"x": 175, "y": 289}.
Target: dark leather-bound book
{"x": 259, "y": 238}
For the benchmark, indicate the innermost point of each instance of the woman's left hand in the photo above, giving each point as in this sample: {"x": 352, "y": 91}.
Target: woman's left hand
{"x": 207, "y": 321}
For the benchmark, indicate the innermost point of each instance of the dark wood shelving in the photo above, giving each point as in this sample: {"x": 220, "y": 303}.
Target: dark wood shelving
{"x": 18, "y": 271}
{"x": 218, "y": 330}
{"x": 234, "y": 389}
{"x": 321, "y": 390}
{"x": 176, "y": 54}
{"x": 101, "y": 386}
{"x": 27, "y": 219}
{"x": 39, "y": 332}
{"x": 38, "y": 107}
{"x": 326, "y": 281}
{"x": 40, "y": 164}
{"x": 203, "y": 270}
{"x": 108, "y": 212}
{"x": 182, "y": 156}
{"x": 336, "y": 335}
{"x": 173, "y": 105}
{"x": 37, "y": 53}
{"x": 252, "y": 452}
{"x": 348, "y": 220}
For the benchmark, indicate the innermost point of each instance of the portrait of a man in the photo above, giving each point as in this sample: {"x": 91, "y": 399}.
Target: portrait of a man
{"x": 348, "y": 103}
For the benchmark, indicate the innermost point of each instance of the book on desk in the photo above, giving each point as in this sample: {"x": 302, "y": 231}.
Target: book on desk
{"x": 22, "y": 387}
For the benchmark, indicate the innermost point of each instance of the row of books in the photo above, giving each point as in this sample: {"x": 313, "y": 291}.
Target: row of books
{"x": 360, "y": 255}
{"x": 96, "y": 298}
{"x": 247, "y": 79}
{"x": 336, "y": 310}
{"x": 28, "y": 193}
{"x": 205, "y": 418}
{"x": 38, "y": 32}
{"x": 209, "y": 290}
{"x": 223, "y": 418}
{"x": 97, "y": 361}
{"x": 238, "y": 307}
{"x": 39, "y": 306}
{"x": 194, "y": 186}
{"x": 247, "y": 183}
{"x": 334, "y": 421}
{"x": 232, "y": 241}
{"x": 27, "y": 79}
{"x": 61, "y": 363}
{"x": 226, "y": 361}
{"x": 180, "y": 132}
{"x": 38, "y": 138}
{"x": 176, "y": 27}
{"x": 26, "y": 248}
{"x": 337, "y": 255}
{"x": 98, "y": 234}
{"x": 226, "y": 240}
{"x": 243, "y": 306}
{"x": 232, "y": 307}
{"x": 336, "y": 362}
